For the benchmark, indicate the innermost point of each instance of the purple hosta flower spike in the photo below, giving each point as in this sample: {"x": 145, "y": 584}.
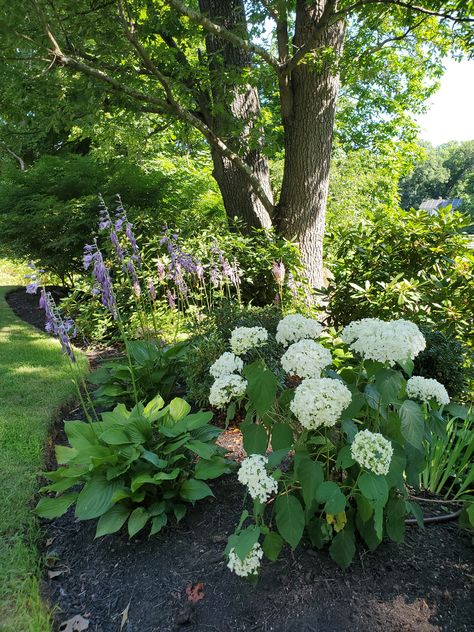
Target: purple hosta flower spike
{"x": 101, "y": 274}
{"x": 34, "y": 279}
{"x": 151, "y": 289}
{"x": 56, "y": 325}
{"x": 200, "y": 271}
{"x": 115, "y": 243}
{"x": 119, "y": 223}
{"x": 278, "y": 271}
{"x": 160, "y": 268}
{"x": 104, "y": 217}
{"x": 171, "y": 296}
{"x": 137, "y": 289}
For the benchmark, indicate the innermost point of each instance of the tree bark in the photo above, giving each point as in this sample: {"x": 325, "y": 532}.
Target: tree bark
{"x": 233, "y": 117}
{"x": 308, "y": 128}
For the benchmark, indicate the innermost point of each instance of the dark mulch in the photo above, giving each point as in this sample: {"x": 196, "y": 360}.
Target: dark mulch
{"x": 423, "y": 585}
{"x": 26, "y": 306}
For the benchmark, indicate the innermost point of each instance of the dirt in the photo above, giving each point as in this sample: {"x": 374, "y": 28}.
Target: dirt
{"x": 26, "y": 306}
{"x": 423, "y": 585}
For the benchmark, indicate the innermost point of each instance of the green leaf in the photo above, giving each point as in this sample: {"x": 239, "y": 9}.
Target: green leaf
{"x": 342, "y": 548}
{"x": 310, "y": 474}
{"x": 374, "y": 488}
{"x": 153, "y": 458}
{"x": 412, "y": 423}
{"x": 416, "y": 511}
{"x": 167, "y": 476}
{"x": 204, "y": 450}
{"x": 255, "y": 439}
{"x": 329, "y": 493}
{"x": 198, "y": 420}
{"x": 272, "y": 545}
{"x": 158, "y": 523}
{"x": 213, "y": 468}
{"x": 116, "y": 436}
{"x": 389, "y": 383}
{"x": 138, "y": 519}
{"x": 55, "y": 507}
{"x": 262, "y": 386}
{"x": 64, "y": 454}
{"x": 81, "y": 435}
{"x": 407, "y": 366}
{"x": 368, "y": 531}
{"x": 244, "y": 541}
{"x": 193, "y": 490}
{"x": 319, "y": 532}
{"x": 179, "y": 408}
{"x": 276, "y": 457}
{"x": 364, "y": 508}
{"x": 344, "y": 458}
{"x": 289, "y": 518}
{"x": 152, "y": 410}
{"x": 112, "y": 520}
{"x": 95, "y": 498}
{"x": 140, "y": 480}
{"x": 395, "y": 519}
{"x": 282, "y": 436}
{"x": 179, "y": 511}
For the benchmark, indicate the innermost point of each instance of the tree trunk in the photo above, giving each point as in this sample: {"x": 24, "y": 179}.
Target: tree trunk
{"x": 308, "y": 127}
{"x": 233, "y": 117}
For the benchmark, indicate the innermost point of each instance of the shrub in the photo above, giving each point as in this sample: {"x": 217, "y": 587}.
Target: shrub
{"x": 346, "y": 437}
{"x": 405, "y": 265}
{"x": 135, "y": 467}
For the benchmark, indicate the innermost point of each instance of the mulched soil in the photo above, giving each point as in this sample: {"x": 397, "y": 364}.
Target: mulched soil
{"x": 423, "y": 585}
{"x": 26, "y": 306}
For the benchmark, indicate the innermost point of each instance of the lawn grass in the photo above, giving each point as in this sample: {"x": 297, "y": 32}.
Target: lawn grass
{"x": 34, "y": 382}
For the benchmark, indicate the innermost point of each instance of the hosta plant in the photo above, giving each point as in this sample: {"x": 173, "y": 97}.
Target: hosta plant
{"x": 139, "y": 466}
{"x": 331, "y": 448}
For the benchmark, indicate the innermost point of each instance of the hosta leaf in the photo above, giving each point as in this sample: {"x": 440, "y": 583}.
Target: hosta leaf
{"x": 193, "y": 490}
{"x": 54, "y": 507}
{"x": 81, "y": 435}
{"x": 116, "y": 436}
{"x": 141, "y": 479}
{"x": 112, "y": 520}
{"x": 204, "y": 450}
{"x": 179, "y": 408}
{"x": 137, "y": 520}
{"x": 212, "y": 468}
{"x": 158, "y": 523}
{"x": 95, "y": 498}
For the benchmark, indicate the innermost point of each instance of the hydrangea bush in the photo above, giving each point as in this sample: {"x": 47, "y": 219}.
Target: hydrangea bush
{"x": 330, "y": 447}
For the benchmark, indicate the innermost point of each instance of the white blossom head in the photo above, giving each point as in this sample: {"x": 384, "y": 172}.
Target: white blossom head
{"x": 226, "y": 388}
{"x": 249, "y": 565}
{"x": 225, "y": 364}
{"x": 305, "y": 358}
{"x": 384, "y": 341}
{"x": 427, "y": 389}
{"x": 295, "y": 327}
{"x": 242, "y": 339}
{"x": 254, "y": 476}
{"x": 372, "y": 451}
{"x": 320, "y": 402}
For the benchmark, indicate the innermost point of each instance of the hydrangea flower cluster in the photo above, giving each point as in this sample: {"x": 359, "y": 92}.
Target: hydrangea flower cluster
{"x": 227, "y": 363}
{"x": 305, "y": 358}
{"x": 225, "y": 388}
{"x": 243, "y": 339}
{"x": 295, "y": 327}
{"x": 320, "y": 402}
{"x": 253, "y": 474}
{"x": 249, "y": 565}
{"x": 427, "y": 389}
{"x": 372, "y": 451}
{"x": 384, "y": 341}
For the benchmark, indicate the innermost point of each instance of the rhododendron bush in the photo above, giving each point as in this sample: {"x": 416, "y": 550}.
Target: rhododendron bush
{"x": 331, "y": 448}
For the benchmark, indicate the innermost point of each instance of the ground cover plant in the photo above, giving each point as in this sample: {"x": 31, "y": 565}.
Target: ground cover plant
{"x": 34, "y": 383}
{"x": 358, "y": 432}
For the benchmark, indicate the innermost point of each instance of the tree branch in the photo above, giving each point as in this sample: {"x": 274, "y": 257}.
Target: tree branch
{"x": 18, "y": 158}
{"x": 406, "y": 5}
{"x": 389, "y": 40}
{"x": 220, "y": 31}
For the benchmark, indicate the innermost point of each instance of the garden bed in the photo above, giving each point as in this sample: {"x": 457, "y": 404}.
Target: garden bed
{"x": 422, "y": 585}
{"x": 26, "y": 306}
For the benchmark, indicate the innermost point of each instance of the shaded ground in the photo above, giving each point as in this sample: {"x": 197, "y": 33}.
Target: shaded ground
{"x": 26, "y": 306}
{"x": 423, "y": 585}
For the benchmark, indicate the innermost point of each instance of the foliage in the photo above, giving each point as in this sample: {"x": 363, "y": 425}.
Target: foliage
{"x": 156, "y": 369}
{"x": 135, "y": 467}
{"x": 444, "y": 359}
{"x": 34, "y": 383}
{"x": 404, "y": 264}
{"x": 446, "y": 171}
{"x": 348, "y": 474}
{"x": 206, "y": 347}
{"x": 450, "y": 466}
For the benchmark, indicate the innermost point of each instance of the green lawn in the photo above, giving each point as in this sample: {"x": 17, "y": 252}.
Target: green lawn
{"x": 34, "y": 383}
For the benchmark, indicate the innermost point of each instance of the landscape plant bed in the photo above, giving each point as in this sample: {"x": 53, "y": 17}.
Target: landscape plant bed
{"x": 26, "y": 306}
{"x": 423, "y": 585}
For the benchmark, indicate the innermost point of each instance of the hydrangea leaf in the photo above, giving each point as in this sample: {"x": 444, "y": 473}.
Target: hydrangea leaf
{"x": 282, "y": 436}
{"x": 344, "y": 458}
{"x": 389, "y": 383}
{"x": 374, "y": 488}
{"x": 272, "y": 545}
{"x": 412, "y": 423}
{"x": 310, "y": 474}
{"x": 255, "y": 439}
{"x": 395, "y": 519}
{"x": 330, "y": 494}
{"x": 245, "y": 540}
{"x": 262, "y": 386}
{"x": 342, "y": 548}
{"x": 290, "y": 519}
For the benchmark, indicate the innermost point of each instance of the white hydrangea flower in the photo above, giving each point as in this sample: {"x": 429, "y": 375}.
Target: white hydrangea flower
{"x": 242, "y": 339}
{"x": 253, "y": 474}
{"x": 249, "y": 565}
{"x": 225, "y": 388}
{"x": 320, "y": 402}
{"x": 305, "y": 358}
{"x": 426, "y": 389}
{"x": 384, "y": 341}
{"x": 373, "y": 451}
{"x": 295, "y": 327}
{"x": 227, "y": 363}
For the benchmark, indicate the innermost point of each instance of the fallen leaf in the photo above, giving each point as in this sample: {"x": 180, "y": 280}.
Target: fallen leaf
{"x": 195, "y": 592}
{"x": 49, "y": 541}
{"x": 53, "y": 574}
{"x": 125, "y": 616}
{"x": 75, "y": 624}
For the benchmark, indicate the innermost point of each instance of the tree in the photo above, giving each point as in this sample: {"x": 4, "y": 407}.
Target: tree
{"x": 202, "y": 62}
